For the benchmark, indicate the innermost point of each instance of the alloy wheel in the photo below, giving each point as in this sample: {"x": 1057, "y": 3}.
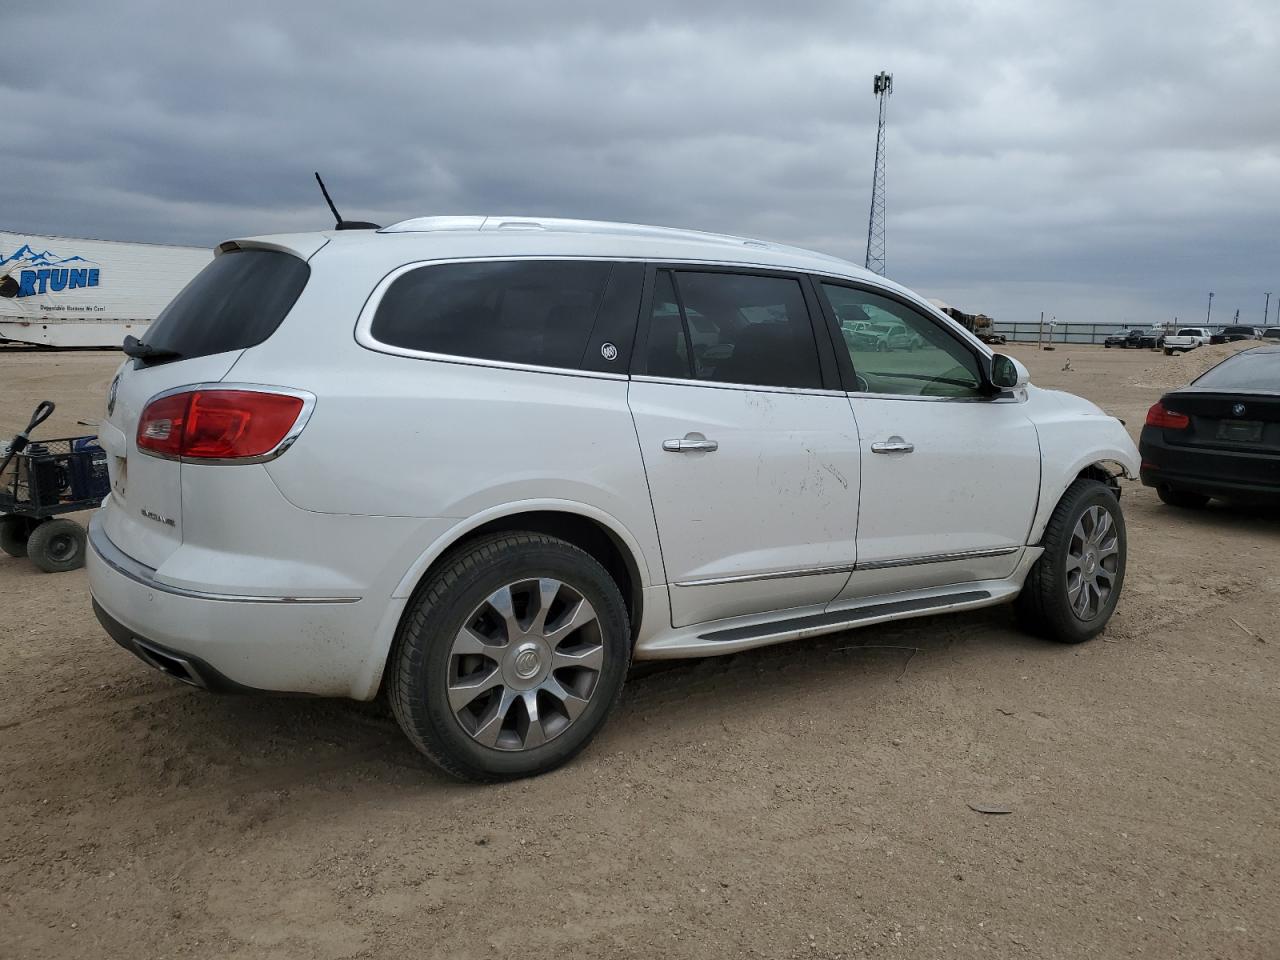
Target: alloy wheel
{"x": 525, "y": 664}
{"x": 1093, "y": 560}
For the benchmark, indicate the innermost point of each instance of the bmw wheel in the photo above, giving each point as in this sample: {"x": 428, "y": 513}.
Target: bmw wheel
{"x": 510, "y": 657}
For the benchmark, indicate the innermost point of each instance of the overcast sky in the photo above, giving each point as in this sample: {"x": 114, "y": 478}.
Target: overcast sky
{"x": 1100, "y": 161}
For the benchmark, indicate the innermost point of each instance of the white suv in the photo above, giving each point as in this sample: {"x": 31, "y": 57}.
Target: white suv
{"x": 482, "y": 464}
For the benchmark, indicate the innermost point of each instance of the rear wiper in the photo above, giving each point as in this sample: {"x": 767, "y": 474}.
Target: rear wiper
{"x": 135, "y": 348}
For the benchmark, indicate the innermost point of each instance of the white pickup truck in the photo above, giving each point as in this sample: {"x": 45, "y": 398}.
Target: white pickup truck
{"x": 1187, "y": 338}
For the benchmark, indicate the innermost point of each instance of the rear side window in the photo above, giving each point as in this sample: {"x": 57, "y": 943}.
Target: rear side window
{"x": 732, "y": 328}
{"x": 237, "y": 301}
{"x": 538, "y": 312}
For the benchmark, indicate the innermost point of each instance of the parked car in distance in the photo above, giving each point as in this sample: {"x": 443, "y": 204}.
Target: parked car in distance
{"x": 1187, "y": 338}
{"x": 1234, "y": 334}
{"x": 1219, "y": 436}
{"x": 1137, "y": 338}
{"x": 1271, "y": 333}
{"x": 480, "y": 465}
{"x": 1128, "y": 338}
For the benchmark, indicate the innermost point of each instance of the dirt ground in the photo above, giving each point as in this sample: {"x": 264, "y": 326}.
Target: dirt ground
{"x": 808, "y": 800}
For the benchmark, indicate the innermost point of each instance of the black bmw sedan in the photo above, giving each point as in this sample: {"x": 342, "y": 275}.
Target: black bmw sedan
{"x": 1219, "y": 436}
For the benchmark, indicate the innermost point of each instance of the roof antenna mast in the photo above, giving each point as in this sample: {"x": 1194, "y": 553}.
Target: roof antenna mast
{"x": 339, "y": 223}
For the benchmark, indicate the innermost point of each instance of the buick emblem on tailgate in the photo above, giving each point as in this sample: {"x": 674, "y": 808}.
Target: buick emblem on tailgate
{"x": 1238, "y": 409}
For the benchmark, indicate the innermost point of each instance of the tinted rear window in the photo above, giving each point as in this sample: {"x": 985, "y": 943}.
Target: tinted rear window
{"x": 1248, "y": 330}
{"x": 538, "y": 312}
{"x": 237, "y": 301}
{"x": 1256, "y": 369}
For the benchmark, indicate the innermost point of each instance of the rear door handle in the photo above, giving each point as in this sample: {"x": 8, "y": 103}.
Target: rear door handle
{"x": 691, "y": 443}
{"x": 893, "y": 445}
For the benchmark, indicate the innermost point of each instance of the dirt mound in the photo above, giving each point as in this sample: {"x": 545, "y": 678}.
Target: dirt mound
{"x": 1182, "y": 368}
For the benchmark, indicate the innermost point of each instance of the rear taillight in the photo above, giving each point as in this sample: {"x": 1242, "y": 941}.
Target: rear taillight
{"x": 218, "y": 424}
{"x": 1161, "y": 416}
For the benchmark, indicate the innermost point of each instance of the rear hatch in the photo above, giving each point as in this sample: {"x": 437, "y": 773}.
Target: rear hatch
{"x": 234, "y": 303}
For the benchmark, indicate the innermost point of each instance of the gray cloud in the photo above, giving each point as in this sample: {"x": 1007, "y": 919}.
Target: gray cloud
{"x": 1099, "y": 161}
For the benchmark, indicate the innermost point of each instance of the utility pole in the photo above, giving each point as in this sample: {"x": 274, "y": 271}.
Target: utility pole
{"x": 1040, "y": 335}
{"x": 1266, "y": 311}
{"x": 1208, "y": 313}
{"x": 882, "y": 87}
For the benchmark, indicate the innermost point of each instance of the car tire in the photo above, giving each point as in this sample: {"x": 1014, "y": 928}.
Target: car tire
{"x": 453, "y": 641}
{"x": 1168, "y": 352}
{"x": 57, "y": 546}
{"x": 1074, "y": 565}
{"x": 1184, "y": 499}
{"x": 14, "y": 532}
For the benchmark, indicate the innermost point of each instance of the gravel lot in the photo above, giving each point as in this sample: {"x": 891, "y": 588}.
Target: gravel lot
{"x": 808, "y": 800}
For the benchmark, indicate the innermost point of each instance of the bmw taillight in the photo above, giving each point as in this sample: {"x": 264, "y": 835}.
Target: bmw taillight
{"x": 1161, "y": 416}
{"x": 219, "y": 424}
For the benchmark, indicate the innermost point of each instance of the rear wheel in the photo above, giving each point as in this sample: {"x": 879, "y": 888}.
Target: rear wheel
{"x": 510, "y": 657}
{"x": 14, "y": 532}
{"x": 1181, "y": 498}
{"x": 1072, "y": 590}
{"x": 57, "y": 546}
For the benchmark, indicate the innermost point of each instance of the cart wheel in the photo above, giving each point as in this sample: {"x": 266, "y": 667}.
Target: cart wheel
{"x": 57, "y": 546}
{"x": 14, "y": 531}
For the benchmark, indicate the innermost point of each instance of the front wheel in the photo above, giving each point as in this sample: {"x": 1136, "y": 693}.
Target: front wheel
{"x": 1072, "y": 590}
{"x": 510, "y": 657}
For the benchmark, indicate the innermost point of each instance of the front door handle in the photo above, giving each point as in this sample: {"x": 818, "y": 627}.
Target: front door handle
{"x": 893, "y": 445}
{"x": 691, "y": 443}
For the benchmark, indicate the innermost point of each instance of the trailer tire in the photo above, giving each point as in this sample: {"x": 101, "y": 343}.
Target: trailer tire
{"x": 57, "y": 546}
{"x": 14, "y": 531}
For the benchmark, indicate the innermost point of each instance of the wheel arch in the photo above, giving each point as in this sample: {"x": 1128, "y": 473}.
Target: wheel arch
{"x": 1106, "y": 470}
{"x": 586, "y": 527}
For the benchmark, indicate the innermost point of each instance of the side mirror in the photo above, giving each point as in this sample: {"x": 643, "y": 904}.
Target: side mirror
{"x": 1007, "y": 373}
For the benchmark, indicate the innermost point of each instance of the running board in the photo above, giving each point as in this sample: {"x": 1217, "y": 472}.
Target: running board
{"x": 839, "y": 619}
{"x": 761, "y": 629}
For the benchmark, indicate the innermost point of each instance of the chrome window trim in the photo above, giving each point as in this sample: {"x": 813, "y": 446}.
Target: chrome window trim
{"x": 718, "y": 385}
{"x": 849, "y": 568}
{"x": 998, "y": 398}
{"x": 304, "y": 415}
{"x": 139, "y": 572}
{"x": 364, "y": 322}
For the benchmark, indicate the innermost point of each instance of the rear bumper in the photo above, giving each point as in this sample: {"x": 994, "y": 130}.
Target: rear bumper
{"x": 1226, "y": 474}
{"x": 280, "y": 644}
{"x": 181, "y": 666}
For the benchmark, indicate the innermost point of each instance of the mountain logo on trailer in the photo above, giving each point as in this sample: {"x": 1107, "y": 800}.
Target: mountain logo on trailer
{"x": 27, "y": 273}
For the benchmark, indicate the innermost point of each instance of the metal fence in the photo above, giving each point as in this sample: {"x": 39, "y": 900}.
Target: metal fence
{"x": 1018, "y": 331}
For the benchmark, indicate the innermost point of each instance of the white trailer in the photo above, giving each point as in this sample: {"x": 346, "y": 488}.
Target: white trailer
{"x": 63, "y": 292}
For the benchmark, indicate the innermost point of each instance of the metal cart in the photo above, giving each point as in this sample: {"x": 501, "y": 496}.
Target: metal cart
{"x": 39, "y": 481}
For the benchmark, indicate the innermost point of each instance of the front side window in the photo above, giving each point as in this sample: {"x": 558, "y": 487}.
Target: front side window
{"x": 538, "y": 312}
{"x": 732, "y": 328}
{"x": 896, "y": 350}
